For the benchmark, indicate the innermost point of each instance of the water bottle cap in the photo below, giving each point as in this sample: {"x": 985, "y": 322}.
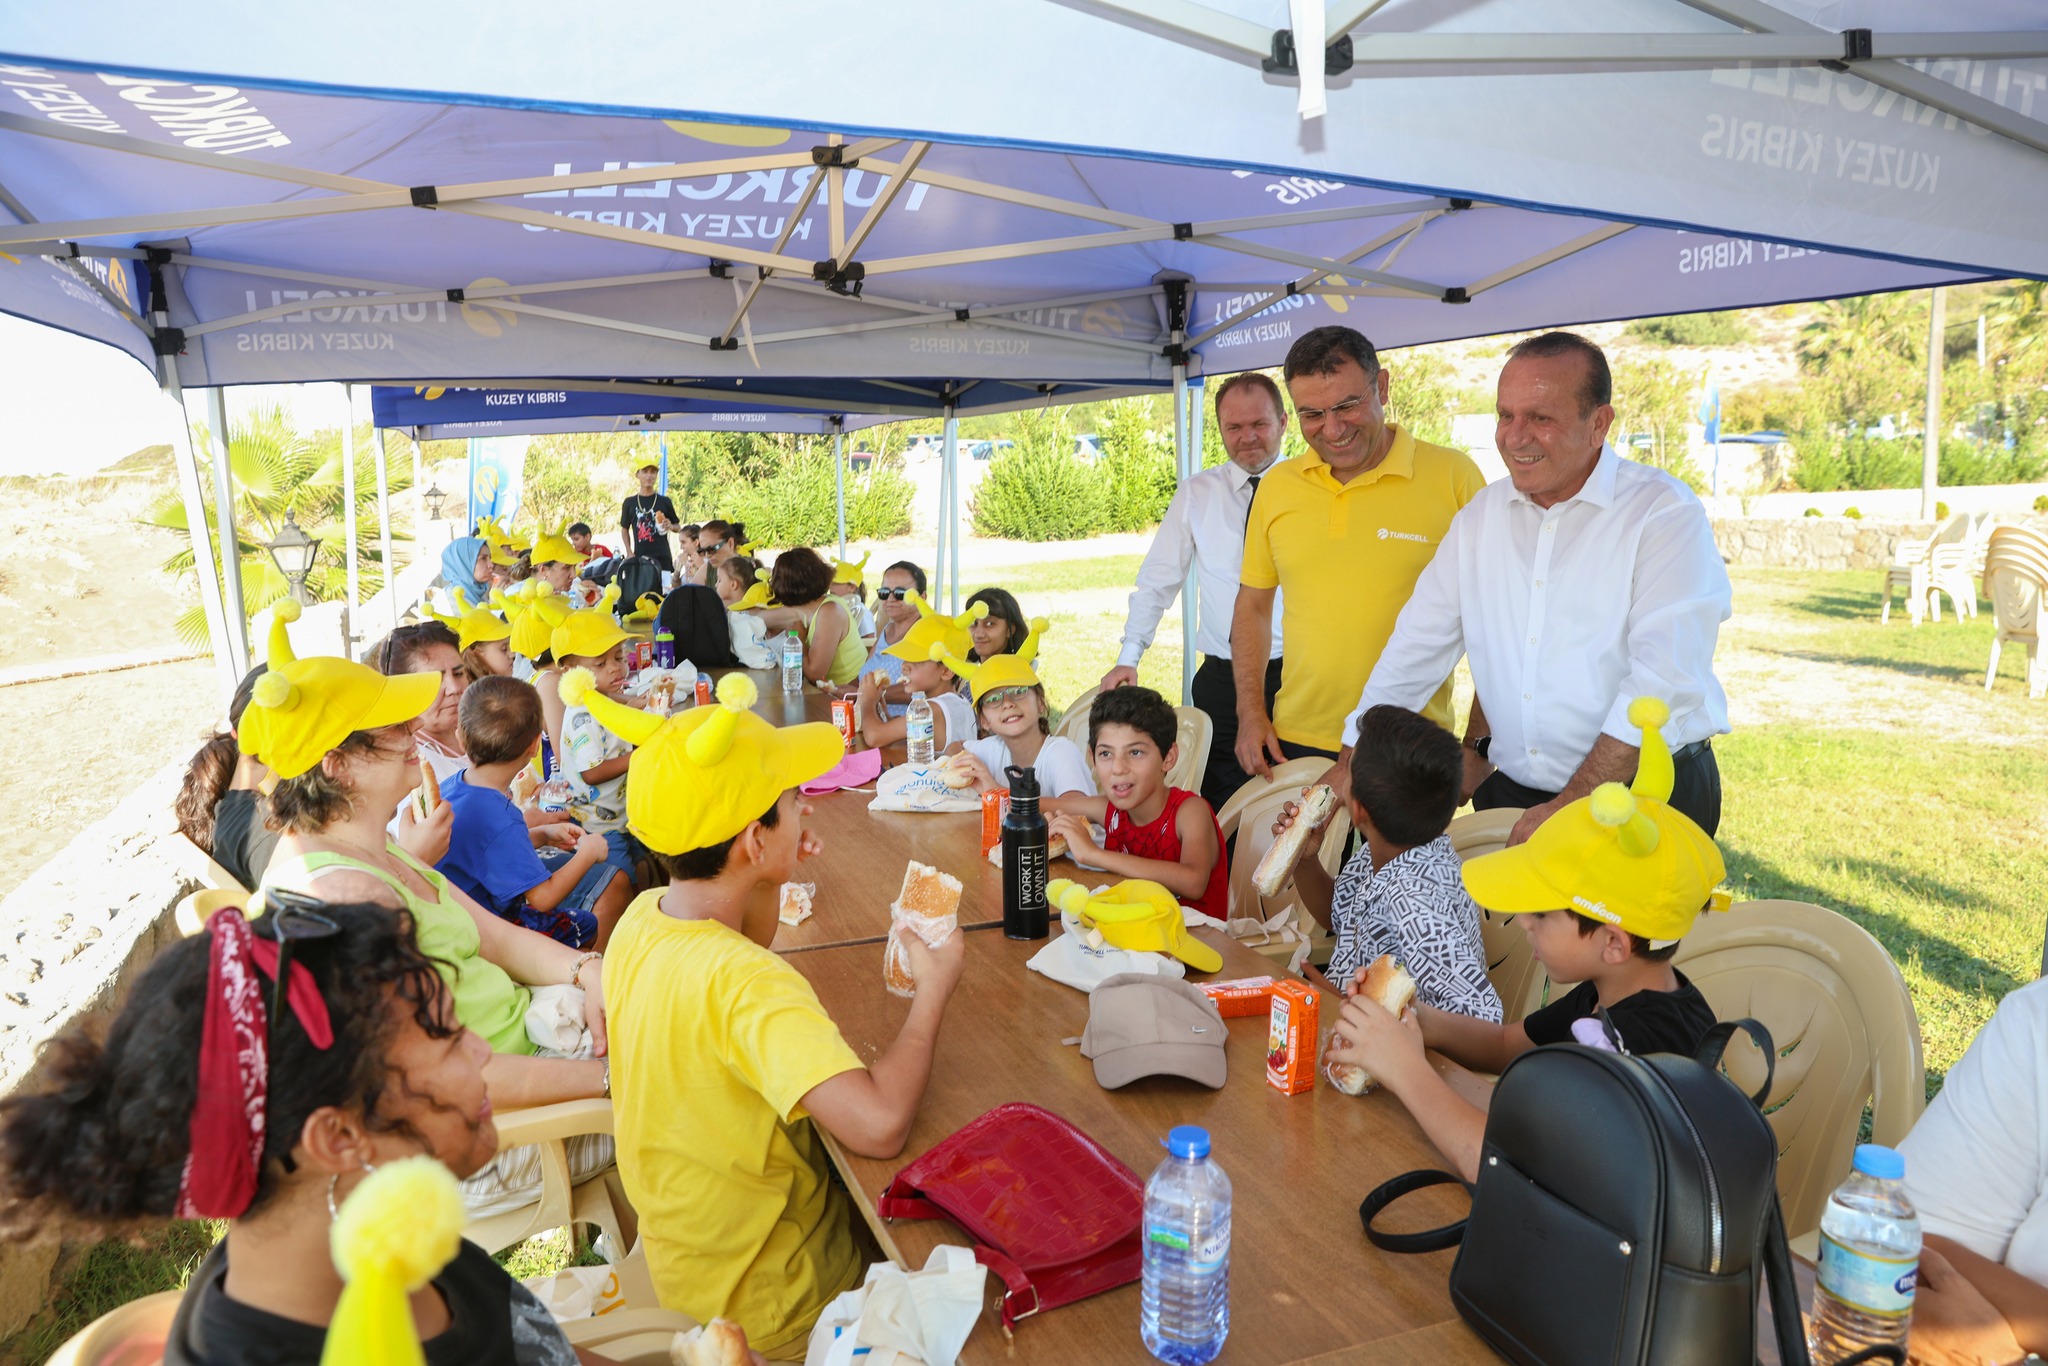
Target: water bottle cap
{"x": 917, "y": 697}
{"x": 1188, "y": 1140}
{"x": 1886, "y": 1164}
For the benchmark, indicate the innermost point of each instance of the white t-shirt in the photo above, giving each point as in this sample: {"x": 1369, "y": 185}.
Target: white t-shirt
{"x": 598, "y": 808}
{"x": 1977, "y": 1162}
{"x": 1060, "y": 767}
{"x": 959, "y": 719}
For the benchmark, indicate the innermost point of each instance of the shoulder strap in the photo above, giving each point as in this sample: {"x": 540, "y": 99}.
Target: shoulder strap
{"x": 1430, "y": 1240}
{"x": 1715, "y": 1043}
{"x": 1784, "y": 1293}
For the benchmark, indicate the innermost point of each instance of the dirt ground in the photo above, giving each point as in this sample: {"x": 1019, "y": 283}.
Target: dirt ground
{"x": 81, "y": 578}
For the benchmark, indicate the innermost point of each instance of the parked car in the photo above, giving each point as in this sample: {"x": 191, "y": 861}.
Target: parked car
{"x": 1087, "y": 446}
{"x": 989, "y": 450}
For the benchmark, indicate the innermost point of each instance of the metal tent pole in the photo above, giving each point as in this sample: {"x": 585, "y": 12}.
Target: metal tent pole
{"x": 949, "y": 513}
{"x": 419, "y": 486}
{"x": 1930, "y": 440}
{"x": 204, "y": 565}
{"x": 349, "y": 538}
{"x": 1190, "y": 589}
{"x": 224, "y": 521}
{"x": 953, "y": 509}
{"x": 839, "y": 477}
{"x": 384, "y": 525}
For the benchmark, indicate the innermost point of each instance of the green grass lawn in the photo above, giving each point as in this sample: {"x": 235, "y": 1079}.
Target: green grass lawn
{"x": 1869, "y": 772}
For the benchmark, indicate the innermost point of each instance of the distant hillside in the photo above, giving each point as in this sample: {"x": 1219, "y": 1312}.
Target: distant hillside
{"x": 154, "y": 461}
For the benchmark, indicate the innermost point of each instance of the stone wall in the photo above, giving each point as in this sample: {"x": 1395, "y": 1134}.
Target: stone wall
{"x": 1813, "y": 542}
{"x": 78, "y": 932}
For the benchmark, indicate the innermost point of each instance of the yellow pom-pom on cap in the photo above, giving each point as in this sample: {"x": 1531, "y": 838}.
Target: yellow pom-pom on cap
{"x": 1615, "y": 806}
{"x": 286, "y": 609}
{"x": 274, "y": 692}
{"x": 978, "y": 612}
{"x": 938, "y": 653}
{"x": 1648, "y": 713}
{"x": 737, "y": 692}
{"x": 1612, "y": 804}
{"x": 575, "y": 685}
{"x": 1068, "y": 895}
{"x": 393, "y": 1233}
{"x": 541, "y": 588}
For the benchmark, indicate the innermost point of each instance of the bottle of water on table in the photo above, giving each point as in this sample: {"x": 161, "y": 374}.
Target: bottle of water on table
{"x": 792, "y": 663}
{"x": 920, "y": 733}
{"x": 1869, "y": 1260}
{"x": 1185, "y": 1306}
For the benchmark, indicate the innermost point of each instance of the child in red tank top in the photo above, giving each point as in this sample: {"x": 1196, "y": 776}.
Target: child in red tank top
{"x": 1162, "y": 834}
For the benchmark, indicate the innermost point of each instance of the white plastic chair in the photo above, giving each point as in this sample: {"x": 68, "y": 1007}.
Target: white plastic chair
{"x": 1074, "y": 720}
{"x": 2016, "y": 582}
{"x": 1510, "y": 963}
{"x": 1196, "y": 734}
{"x": 1927, "y": 569}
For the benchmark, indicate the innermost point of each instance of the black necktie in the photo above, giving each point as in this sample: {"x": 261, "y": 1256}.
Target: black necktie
{"x": 1252, "y": 496}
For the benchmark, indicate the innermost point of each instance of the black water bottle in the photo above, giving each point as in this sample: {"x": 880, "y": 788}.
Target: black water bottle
{"x": 1026, "y": 854}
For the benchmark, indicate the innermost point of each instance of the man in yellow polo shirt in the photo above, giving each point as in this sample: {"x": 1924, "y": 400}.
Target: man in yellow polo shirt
{"x": 1345, "y": 530}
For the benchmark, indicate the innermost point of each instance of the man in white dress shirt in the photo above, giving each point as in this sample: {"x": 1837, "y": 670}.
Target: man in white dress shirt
{"x": 1204, "y": 525}
{"x": 1578, "y": 584}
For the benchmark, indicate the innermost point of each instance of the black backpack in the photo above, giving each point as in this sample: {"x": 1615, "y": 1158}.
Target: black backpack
{"x": 1626, "y": 1212}
{"x": 636, "y": 577}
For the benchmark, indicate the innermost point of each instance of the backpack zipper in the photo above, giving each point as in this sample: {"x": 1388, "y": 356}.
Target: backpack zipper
{"x": 1713, "y": 1185}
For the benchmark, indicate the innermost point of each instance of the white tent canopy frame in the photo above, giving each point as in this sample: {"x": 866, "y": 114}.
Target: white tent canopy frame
{"x": 1106, "y": 273}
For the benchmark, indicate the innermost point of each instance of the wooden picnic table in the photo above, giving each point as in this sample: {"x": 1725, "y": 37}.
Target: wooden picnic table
{"x": 865, "y": 852}
{"x": 1305, "y": 1285}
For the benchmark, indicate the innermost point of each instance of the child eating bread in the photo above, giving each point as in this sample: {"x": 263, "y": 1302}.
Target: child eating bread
{"x": 724, "y": 1065}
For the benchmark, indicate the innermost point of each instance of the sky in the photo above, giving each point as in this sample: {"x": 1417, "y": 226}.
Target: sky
{"x": 68, "y": 405}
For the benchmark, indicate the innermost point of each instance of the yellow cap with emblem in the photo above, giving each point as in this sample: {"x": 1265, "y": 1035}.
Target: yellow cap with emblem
{"x": 1621, "y": 855}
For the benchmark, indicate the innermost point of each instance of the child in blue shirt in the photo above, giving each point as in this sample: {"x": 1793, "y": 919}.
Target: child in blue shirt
{"x": 551, "y": 878}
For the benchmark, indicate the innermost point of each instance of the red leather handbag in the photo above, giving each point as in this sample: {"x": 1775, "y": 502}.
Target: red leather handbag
{"x": 1050, "y": 1212}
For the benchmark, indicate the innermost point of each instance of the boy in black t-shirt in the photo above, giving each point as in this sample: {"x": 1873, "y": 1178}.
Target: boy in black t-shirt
{"x": 646, "y": 518}
{"x": 1606, "y": 888}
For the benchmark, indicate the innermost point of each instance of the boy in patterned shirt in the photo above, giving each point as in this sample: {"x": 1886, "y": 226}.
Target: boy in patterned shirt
{"x": 1402, "y": 893}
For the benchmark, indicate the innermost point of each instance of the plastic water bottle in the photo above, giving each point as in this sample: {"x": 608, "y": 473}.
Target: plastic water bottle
{"x": 792, "y": 664}
{"x": 920, "y": 733}
{"x": 1185, "y": 1306}
{"x": 1869, "y": 1260}
{"x": 664, "y": 649}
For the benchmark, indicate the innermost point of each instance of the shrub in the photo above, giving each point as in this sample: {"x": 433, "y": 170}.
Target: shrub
{"x": 1828, "y": 461}
{"x": 790, "y": 498}
{"x": 1941, "y": 512}
{"x": 1853, "y": 514}
{"x": 1965, "y": 463}
{"x": 1136, "y": 469}
{"x": 1038, "y": 490}
{"x": 2041, "y": 503}
{"x": 1692, "y": 329}
{"x": 1815, "y": 512}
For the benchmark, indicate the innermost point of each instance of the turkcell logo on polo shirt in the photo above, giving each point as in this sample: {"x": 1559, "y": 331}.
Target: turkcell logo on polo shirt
{"x": 1388, "y": 534}
{"x": 1597, "y": 909}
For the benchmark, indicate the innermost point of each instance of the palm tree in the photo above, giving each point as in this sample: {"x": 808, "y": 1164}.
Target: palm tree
{"x": 1869, "y": 349}
{"x": 278, "y": 471}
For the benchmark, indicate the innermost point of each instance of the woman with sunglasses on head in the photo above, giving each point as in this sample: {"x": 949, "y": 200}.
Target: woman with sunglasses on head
{"x": 336, "y": 738}
{"x": 217, "y": 1095}
{"x": 895, "y": 614}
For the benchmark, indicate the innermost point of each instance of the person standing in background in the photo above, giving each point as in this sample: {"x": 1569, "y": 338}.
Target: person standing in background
{"x": 1204, "y": 526}
{"x": 646, "y": 518}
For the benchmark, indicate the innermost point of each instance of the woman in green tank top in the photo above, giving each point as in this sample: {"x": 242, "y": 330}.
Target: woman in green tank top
{"x": 802, "y": 583}
{"x": 333, "y": 845}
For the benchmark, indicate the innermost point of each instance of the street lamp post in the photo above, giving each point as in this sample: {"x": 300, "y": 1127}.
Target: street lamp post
{"x": 294, "y": 551}
{"x": 435, "y": 498}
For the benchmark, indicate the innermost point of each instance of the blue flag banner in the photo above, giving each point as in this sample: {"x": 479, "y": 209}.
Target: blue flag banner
{"x": 497, "y": 469}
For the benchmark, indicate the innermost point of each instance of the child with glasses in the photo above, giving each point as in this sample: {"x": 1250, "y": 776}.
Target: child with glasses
{"x": 1009, "y": 701}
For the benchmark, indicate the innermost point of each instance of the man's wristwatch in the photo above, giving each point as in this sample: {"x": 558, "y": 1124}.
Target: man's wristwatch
{"x": 1481, "y": 746}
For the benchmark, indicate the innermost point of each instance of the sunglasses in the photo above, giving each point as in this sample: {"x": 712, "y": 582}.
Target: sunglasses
{"x": 707, "y": 549}
{"x": 892, "y": 594}
{"x": 293, "y": 916}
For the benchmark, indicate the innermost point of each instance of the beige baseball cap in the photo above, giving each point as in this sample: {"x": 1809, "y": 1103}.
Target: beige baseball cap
{"x": 1140, "y": 1025}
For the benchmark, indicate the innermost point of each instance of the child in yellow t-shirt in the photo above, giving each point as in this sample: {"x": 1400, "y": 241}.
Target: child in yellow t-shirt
{"x": 724, "y": 1064}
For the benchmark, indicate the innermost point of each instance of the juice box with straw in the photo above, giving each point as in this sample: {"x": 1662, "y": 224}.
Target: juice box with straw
{"x": 994, "y": 804}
